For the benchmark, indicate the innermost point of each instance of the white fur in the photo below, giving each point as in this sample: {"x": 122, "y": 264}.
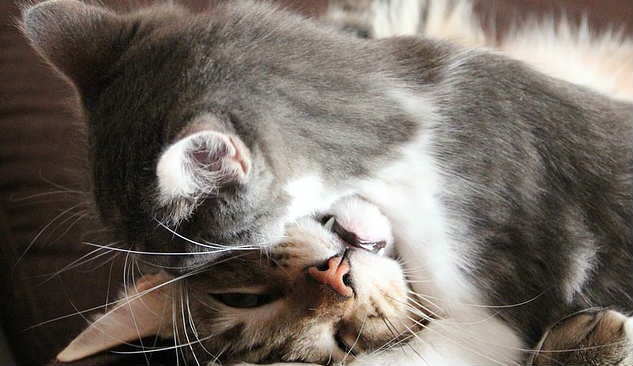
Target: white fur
{"x": 308, "y": 195}
{"x": 174, "y": 176}
{"x": 583, "y": 261}
{"x": 434, "y": 246}
{"x": 453, "y": 342}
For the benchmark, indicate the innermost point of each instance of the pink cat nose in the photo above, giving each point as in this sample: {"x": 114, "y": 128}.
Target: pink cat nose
{"x": 334, "y": 273}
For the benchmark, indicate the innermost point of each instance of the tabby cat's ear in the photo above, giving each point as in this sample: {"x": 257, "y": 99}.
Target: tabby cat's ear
{"x": 143, "y": 312}
{"x": 77, "y": 39}
{"x": 201, "y": 162}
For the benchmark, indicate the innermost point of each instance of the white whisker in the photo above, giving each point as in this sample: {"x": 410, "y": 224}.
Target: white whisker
{"x": 37, "y": 236}
{"x": 426, "y": 297}
{"x": 129, "y": 303}
{"x": 130, "y": 251}
{"x": 360, "y": 331}
{"x": 78, "y": 262}
{"x": 184, "y": 325}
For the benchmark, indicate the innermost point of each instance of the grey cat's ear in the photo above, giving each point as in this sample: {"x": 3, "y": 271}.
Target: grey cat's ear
{"x": 77, "y": 39}
{"x": 201, "y": 163}
{"x": 141, "y": 313}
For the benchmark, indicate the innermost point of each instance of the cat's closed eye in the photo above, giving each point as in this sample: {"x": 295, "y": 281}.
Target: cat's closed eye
{"x": 243, "y": 300}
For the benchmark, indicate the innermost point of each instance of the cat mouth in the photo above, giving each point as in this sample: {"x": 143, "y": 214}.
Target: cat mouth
{"x": 351, "y": 239}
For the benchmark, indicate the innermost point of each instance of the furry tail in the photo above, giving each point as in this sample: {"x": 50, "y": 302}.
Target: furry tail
{"x": 601, "y": 61}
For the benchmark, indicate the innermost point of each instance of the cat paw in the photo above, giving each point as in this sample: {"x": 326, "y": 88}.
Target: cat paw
{"x": 603, "y": 337}
{"x": 360, "y": 224}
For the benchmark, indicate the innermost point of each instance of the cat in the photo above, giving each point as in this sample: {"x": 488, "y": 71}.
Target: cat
{"x": 327, "y": 294}
{"x": 212, "y": 132}
{"x": 309, "y": 299}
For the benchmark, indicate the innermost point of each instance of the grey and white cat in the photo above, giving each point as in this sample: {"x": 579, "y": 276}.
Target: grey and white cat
{"x": 503, "y": 186}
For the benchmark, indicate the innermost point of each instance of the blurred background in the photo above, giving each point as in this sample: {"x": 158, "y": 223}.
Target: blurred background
{"x": 44, "y": 210}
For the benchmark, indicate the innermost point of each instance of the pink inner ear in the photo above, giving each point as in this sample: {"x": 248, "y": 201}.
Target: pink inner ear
{"x": 240, "y": 153}
{"x": 207, "y": 157}
{"x": 223, "y": 153}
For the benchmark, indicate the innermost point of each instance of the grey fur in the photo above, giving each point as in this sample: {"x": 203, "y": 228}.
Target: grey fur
{"x": 537, "y": 168}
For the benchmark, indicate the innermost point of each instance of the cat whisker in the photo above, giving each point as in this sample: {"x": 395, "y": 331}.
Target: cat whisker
{"x": 443, "y": 326}
{"x": 184, "y": 325}
{"x": 422, "y": 310}
{"x": 80, "y": 313}
{"x": 107, "y": 297}
{"x": 175, "y": 330}
{"x": 129, "y": 304}
{"x": 397, "y": 336}
{"x": 207, "y": 244}
{"x": 78, "y": 217}
{"x": 426, "y": 300}
{"x": 393, "y": 343}
{"x": 455, "y": 341}
{"x": 457, "y": 324}
{"x": 351, "y": 347}
{"x": 109, "y": 260}
{"x": 39, "y": 234}
{"x": 124, "y": 301}
{"x": 131, "y": 251}
{"x": 165, "y": 267}
{"x": 79, "y": 262}
{"x": 426, "y": 297}
{"x": 412, "y": 332}
{"x": 176, "y": 346}
{"x": 210, "y": 245}
{"x": 45, "y": 194}
{"x": 192, "y": 325}
{"x": 57, "y": 185}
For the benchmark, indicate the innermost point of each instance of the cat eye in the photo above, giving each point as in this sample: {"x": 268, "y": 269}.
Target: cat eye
{"x": 243, "y": 301}
{"x": 338, "y": 338}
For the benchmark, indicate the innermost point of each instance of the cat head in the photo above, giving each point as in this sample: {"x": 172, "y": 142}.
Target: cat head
{"x": 173, "y": 123}
{"x": 312, "y": 298}
{"x": 218, "y": 125}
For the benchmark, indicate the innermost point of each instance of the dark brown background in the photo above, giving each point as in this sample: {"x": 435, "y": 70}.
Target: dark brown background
{"x": 41, "y": 165}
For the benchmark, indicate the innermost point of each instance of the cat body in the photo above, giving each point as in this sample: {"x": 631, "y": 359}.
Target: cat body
{"x": 503, "y": 186}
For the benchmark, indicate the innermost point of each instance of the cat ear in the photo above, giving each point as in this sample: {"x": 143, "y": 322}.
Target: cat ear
{"x": 78, "y": 39}
{"x": 142, "y": 313}
{"x": 201, "y": 163}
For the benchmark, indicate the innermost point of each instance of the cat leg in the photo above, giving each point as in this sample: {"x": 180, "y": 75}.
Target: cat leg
{"x": 602, "y": 337}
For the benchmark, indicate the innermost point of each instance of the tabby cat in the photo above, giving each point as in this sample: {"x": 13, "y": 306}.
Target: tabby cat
{"x": 326, "y": 294}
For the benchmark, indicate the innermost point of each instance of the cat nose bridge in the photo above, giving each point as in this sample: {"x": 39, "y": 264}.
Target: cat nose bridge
{"x": 333, "y": 273}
